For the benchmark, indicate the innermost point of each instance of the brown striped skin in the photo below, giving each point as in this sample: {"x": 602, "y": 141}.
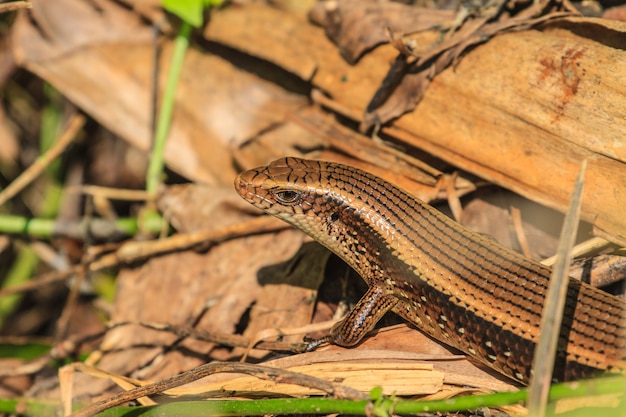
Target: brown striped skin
{"x": 456, "y": 285}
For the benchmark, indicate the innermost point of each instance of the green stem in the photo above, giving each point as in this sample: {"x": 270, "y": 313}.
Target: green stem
{"x": 19, "y": 273}
{"x": 82, "y": 229}
{"x": 155, "y": 168}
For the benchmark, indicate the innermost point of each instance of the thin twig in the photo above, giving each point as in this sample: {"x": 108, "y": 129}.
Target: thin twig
{"x": 518, "y": 225}
{"x": 222, "y": 338}
{"x": 38, "y": 282}
{"x": 134, "y": 251}
{"x": 63, "y": 323}
{"x": 594, "y": 244}
{"x": 261, "y": 372}
{"x": 110, "y": 193}
{"x": 16, "y": 5}
{"x": 44, "y": 160}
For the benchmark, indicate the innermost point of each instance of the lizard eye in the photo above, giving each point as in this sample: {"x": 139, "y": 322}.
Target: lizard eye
{"x": 287, "y": 196}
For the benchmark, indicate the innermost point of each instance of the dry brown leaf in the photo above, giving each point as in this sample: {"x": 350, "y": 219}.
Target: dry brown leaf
{"x": 433, "y": 59}
{"x": 506, "y": 113}
{"x": 399, "y": 372}
{"x": 287, "y": 139}
{"x": 301, "y": 49}
{"x": 196, "y": 207}
{"x": 357, "y": 25}
{"x": 404, "y": 377}
{"x": 288, "y": 292}
{"x": 528, "y": 124}
{"x": 104, "y": 64}
{"x": 211, "y": 291}
{"x": 400, "y": 378}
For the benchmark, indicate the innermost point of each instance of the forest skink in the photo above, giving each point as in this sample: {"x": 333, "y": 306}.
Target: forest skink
{"x": 456, "y": 285}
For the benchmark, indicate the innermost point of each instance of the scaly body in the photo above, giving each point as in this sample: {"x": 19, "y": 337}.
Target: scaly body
{"x": 456, "y": 285}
